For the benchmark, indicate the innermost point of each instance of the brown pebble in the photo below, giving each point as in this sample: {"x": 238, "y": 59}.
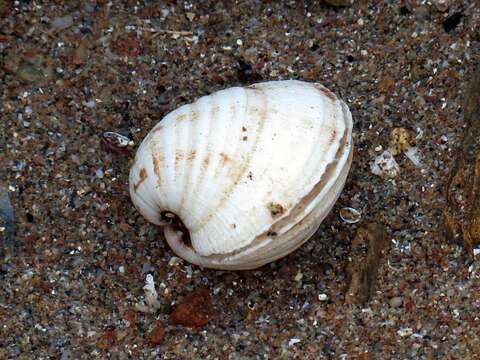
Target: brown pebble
{"x": 156, "y": 336}
{"x": 107, "y": 340}
{"x": 195, "y": 310}
{"x": 128, "y": 46}
{"x": 131, "y": 317}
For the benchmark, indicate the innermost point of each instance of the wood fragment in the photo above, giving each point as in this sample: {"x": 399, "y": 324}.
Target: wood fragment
{"x": 368, "y": 248}
{"x": 462, "y": 213}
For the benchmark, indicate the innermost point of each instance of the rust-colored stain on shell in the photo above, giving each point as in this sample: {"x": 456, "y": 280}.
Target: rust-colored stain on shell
{"x": 326, "y": 92}
{"x": 206, "y": 161}
{"x": 333, "y": 137}
{"x": 143, "y": 175}
{"x": 178, "y": 156}
{"x": 157, "y": 158}
{"x": 192, "y": 155}
{"x": 225, "y": 157}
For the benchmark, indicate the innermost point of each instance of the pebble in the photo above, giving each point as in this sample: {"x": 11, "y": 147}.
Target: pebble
{"x": 396, "y": 302}
{"x": 62, "y": 23}
{"x": 99, "y": 173}
{"x": 156, "y": 336}
{"x": 322, "y": 297}
{"x": 30, "y": 73}
{"x": 293, "y": 341}
{"x": 404, "y": 332}
{"x": 174, "y": 261}
{"x": 442, "y": 5}
{"x": 451, "y": 22}
{"x": 195, "y": 310}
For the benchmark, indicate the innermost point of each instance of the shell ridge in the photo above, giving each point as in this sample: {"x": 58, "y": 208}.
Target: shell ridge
{"x": 187, "y": 173}
{"x": 204, "y": 219}
{"x": 211, "y": 183}
{"x": 233, "y": 155}
{"x": 248, "y": 157}
{"x": 167, "y": 166}
{"x": 201, "y": 159}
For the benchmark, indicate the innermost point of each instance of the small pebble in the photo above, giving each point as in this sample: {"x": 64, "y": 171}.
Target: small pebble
{"x": 442, "y": 5}
{"x": 293, "y": 341}
{"x": 396, "y": 301}
{"x": 322, "y": 297}
{"x": 404, "y": 332}
{"x": 174, "y": 261}
{"x": 452, "y": 21}
{"x": 62, "y": 23}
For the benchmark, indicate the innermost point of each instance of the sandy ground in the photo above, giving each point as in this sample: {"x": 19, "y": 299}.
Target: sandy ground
{"x": 76, "y": 256}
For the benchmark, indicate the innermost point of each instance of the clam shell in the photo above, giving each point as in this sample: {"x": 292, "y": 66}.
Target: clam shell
{"x": 246, "y": 175}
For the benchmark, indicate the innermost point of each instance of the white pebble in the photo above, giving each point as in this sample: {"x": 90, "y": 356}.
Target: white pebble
{"x": 405, "y": 332}
{"x": 322, "y": 297}
{"x": 99, "y": 173}
{"x": 293, "y": 341}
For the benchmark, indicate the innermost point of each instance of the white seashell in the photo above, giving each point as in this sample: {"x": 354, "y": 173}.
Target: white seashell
{"x": 246, "y": 175}
{"x": 350, "y": 215}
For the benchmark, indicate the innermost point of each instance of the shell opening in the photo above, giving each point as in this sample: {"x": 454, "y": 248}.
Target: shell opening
{"x": 174, "y": 221}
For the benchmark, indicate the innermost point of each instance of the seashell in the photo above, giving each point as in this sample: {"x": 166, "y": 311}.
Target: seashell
{"x": 350, "y": 215}
{"x": 246, "y": 175}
